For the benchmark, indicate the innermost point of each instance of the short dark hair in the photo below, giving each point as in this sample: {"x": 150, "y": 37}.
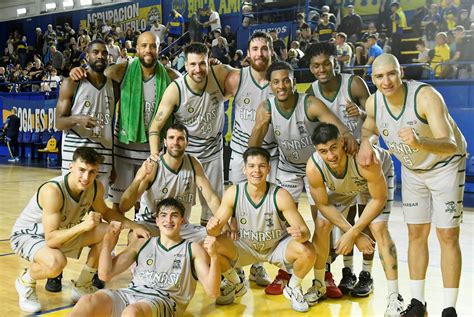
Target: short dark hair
{"x": 195, "y": 48}
{"x": 342, "y": 35}
{"x": 88, "y": 155}
{"x": 323, "y": 133}
{"x": 279, "y": 65}
{"x": 170, "y": 202}
{"x": 316, "y": 49}
{"x": 96, "y": 41}
{"x": 256, "y": 151}
{"x": 372, "y": 36}
{"x": 180, "y": 127}
{"x": 261, "y": 35}
{"x": 421, "y": 42}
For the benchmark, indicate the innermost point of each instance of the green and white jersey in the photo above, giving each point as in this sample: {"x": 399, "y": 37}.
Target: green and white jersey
{"x": 165, "y": 272}
{"x": 389, "y": 125}
{"x": 343, "y": 189}
{"x": 168, "y": 183}
{"x": 261, "y": 224}
{"x": 249, "y": 95}
{"x": 72, "y": 211}
{"x": 337, "y": 104}
{"x": 97, "y": 102}
{"x": 136, "y": 153}
{"x": 203, "y": 115}
{"x": 293, "y": 134}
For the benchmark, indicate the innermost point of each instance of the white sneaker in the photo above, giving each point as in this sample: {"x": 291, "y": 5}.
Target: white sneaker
{"x": 259, "y": 275}
{"x": 227, "y": 293}
{"x": 315, "y": 293}
{"x": 295, "y": 295}
{"x": 241, "y": 288}
{"x": 28, "y": 300}
{"x": 394, "y": 305}
{"x": 78, "y": 290}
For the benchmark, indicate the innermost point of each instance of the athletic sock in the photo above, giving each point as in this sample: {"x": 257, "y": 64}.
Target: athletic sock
{"x": 294, "y": 281}
{"x": 231, "y": 276}
{"x": 418, "y": 290}
{"x": 367, "y": 265}
{"x": 450, "y": 297}
{"x": 27, "y": 279}
{"x": 349, "y": 261}
{"x": 392, "y": 286}
{"x": 319, "y": 276}
{"x": 86, "y": 275}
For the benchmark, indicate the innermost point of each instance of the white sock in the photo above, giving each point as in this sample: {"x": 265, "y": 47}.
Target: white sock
{"x": 319, "y": 276}
{"x": 86, "y": 275}
{"x": 231, "y": 276}
{"x": 418, "y": 290}
{"x": 295, "y": 281}
{"x": 367, "y": 265}
{"x": 27, "y": 279}
{"x": 392, "y": 286}
{"x": 450, "y": 297}
{"x": 349, "y": 261}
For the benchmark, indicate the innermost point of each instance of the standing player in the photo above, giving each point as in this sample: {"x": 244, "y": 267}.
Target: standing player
{"x": 197, "y": 101}
{"x": 416, "y": 126}
{"x": 335, "y": 181}
{"x": 174, "y": 174}
{"x": 270, "y": 226}
{"x": 345, "y": 95}
{"x": 167, "y": 268}
{"x": 57, "y": 224}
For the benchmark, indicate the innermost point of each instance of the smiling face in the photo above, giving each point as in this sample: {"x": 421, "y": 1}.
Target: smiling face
{"x": 332, "y": 152}
{"x": 256, "y": 169}
{"x": 260, "y": 54}
{"x": 197, "y": 67}
{"x": 97, "y": 57}
{"x": 175, "y": 142}
{"x": 148, "y": 49}
{"x": 282, "y": 84}
{"x": 322, "y": 67}
{"x": 82, "y": 174}
{"x": 387, "y": 77}
{"x": 169, "y": 220}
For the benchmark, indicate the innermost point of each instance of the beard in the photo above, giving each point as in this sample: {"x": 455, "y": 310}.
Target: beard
{"x": 98, "y": 68}
{"x": 260, "y": 67}
{"x": 148, "y": 65}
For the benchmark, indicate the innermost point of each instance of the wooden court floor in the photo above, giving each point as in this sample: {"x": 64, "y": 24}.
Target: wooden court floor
{"x": 18, "y": 184}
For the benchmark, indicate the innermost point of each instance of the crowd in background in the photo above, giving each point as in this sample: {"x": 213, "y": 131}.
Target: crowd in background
{"x": 39, "y": 64}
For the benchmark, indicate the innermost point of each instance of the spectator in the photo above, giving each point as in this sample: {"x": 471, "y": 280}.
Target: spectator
{"x": 351, "y": 25}
{"x": 417, "y": 19}
{"x": 214, "y": 20}
{"x": 175, "y": 26}
{"x": 130, "y": 36}
{"x": 59, "y": 38}
{"x": 113, "y": 50}
{"x": 75, "y": 55}
{"x": 423, "y": 55}
{"x": 463, "y": 19}
{"x": 300, "y": 21}
{"x": 68, "y": 34}
{"x": 325, "y": 30}
{"x": 332, "y": 17}
{"x": 49, "y": 38}
{"x": 24, "y": 80}
{"x": 451, "y": 41}
{"x": 463, "y": 53}
{"x": 57, "y": 59}
{"x": 450, "y": 15}
{"x": 399, "y": 23}
{"x": 217, "y": 36}
{"x": 383, "y": 19}
{"x": 83, "y": 40}
{"x": 236, "y": 61}
{"x": 247, "y": 14}
{"x": 296, "y": 46}
{"x": 131, "y": 51}
{"x": 158, "y": 29}
{"x": 21, "y": 50}
{"x": 374, "y": 50}
{"x": 304, "y": 36}
{"x": 431, "y": 22}
{"x": 230, "y": 37}
{"x": 12, "y": 126}
{"x": 123, "y": 56}
{"x": 165, "y": 61}
{"x": 220, "y": 50}
{"x": 344, "y": 53}
{"x": 53, "y": 79}
{"x": 293, "y": 58}
{"x": 441, "y": 54}
{"x": 3, "y": 80}
{"x": 39, "y": 41}
{"x": 36, "y": 74}
{"x": 279, "y": 47}
{"x": 194, "y": 27}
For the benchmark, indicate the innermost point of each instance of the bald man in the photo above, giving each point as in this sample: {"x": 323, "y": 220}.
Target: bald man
{"x": 417, "y": 128}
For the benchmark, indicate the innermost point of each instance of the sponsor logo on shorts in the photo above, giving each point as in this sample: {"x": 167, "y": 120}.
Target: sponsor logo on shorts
{"x": 410, "y": 204}
{"x": 450, "y": 207}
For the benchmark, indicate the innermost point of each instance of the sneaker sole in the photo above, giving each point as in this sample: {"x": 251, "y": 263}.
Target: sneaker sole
{"x": 363, "y": 294}
{"x": 295, "y": 309}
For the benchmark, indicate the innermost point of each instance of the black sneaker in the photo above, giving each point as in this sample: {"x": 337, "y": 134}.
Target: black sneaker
{"x": 348, "y": 281}
{"x": 415, "y": 309}
{"x": 449, "y": 312}
{"x": 97, "y": 282}
{"x": 54, "y": 285}
{"x": 364, "y": 287}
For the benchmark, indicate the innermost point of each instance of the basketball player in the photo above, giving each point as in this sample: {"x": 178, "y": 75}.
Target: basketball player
{"x": 345, "y": 95}
{"x": 415, "y": 124}
{"x": 335, "y": 181}
{"x": 167, "y": 267}
{"x": 271, "y": 230}
{"x": 197, "y": 101}
{"x": 174, "y": 174}
{"x": 51, "y": 228}
{"x": 249, "y": 87}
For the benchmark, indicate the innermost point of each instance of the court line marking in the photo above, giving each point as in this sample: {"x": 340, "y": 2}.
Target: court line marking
{"x": 5, "y": 254}
{"x": 52, "y": 310}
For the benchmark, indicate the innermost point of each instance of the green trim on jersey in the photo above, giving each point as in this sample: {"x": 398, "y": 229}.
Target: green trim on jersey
{"x": 288, "y": 115}
{"x": 280, "y": 214}
{"x": 349, "y": 85}
{"x": 240, "y": 83}
{"x": 415, "y": 108}
{"x": 176, "y": 107}
{"x": 169, "y": 168}
{"x": 192, "y": 91}
{"x": 375, "y": 110}
{"x": 404, "y": 104}
{"x": 69, "y": 189}
{"x": 192, "y": 165}
{"x": 98, "y": 88}
{"x": 95, "y": 190}
{"x": 339, "y": 83}
{"x": 147, "y": 80}
{"x": 141, "y": 249}
{"x": 255, "y": 82}
{"x": 261, "y": 200}
{"x": 75, "y": 94}
{"x": 217, "y": 82}
{"x": 310, "y": 90}
{"x": 345, "y": 170}
{"x": 164, "y": 248}
{"x": 193, "y": 269}
{"x": 319, "y": 168}
{"x": 39, "y": 188}
{"x": 235, "y": 199}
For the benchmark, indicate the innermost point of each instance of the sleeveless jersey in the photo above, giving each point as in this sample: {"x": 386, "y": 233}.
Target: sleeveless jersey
{"x": 343, "y": 190}
{"x": 338, "y": 104}
{"x": 261, "y": 225}
{"x": 165, "y": 272}
{"x": 167, "y": 183}
{"x": 136, "y": 153}
{"x": 72, "y": 211}
{"x": 203, "y": 115}
{"x": 249, "y": 95}
{"x": 98, "y": 103}
{"x": 389, "y": 125}
{"x": 293, "y": 134}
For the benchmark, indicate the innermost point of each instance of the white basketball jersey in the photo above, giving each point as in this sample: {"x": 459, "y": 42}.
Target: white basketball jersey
{"x": 293, "y": 134}
{"x": 338, "y": 103}
{"x": 30, "y": 220}
{"x": 95, "y": 102}
{"x": 249, "y": 95}
{"x": 168, "y": 183}
{"x": 389, "y": 125}
{"x": 261, "y": 224}
{"x": 165, "y": 272}
{"x": 203, "y": 115}
{"x": 343, "y": 189}
{"x": 136, "y": 153}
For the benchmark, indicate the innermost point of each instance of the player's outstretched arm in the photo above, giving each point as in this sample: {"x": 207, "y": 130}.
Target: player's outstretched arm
{"x": 217, "y": 222}
{"x": 204, "y": 186}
